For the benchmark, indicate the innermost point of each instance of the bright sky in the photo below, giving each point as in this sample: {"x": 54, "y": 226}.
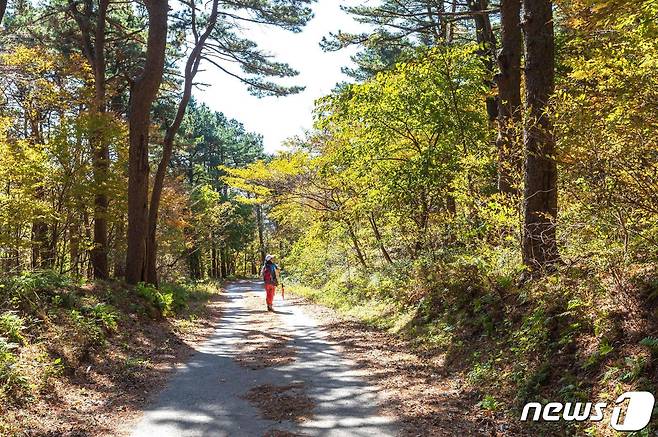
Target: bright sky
{"x": 280, "y": 118}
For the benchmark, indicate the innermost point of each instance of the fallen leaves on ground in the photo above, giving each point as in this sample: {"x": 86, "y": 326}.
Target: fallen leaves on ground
{"x": 417, "y": 388}
{"x": 266, "y": 344}
{"x": 282, "y": 402}
{"x": 102, "y": 395}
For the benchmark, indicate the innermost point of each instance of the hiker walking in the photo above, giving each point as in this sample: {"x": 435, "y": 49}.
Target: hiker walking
{"x": 270, "y": 274}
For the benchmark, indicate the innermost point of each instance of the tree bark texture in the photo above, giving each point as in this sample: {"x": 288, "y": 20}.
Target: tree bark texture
{"x": 508, "y": 80}
{"x": 142, "y": 93}
{"x": 261, "y": 232}
{"x": 101, "y": 154}
{"x": 540, "y": 189}
{"x": 191, "y": 69}
{"x": 378, "y": 237}
{"x": 487, "y": 40}
{"x": 356, "y": 245}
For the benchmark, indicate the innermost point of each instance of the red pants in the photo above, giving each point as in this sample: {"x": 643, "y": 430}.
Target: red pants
{"x": 269, "y": 291}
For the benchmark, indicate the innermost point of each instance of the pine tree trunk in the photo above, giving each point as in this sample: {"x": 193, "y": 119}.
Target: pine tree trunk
{"x": 39, "y": 243}
{"x": 3, "y": 8}
{"x": 213, "y": 258}
{"x": 191, "y": 69}
{"x": 101, "y": 155}
{"x": 74, "y": 248}
{"x": 194, "y": 259}
{"x": 540, "y": 193}
{"x": 223, "y": 263}
{"x": 119, "y": 254}
{"x": 509, "y": 96}
{"x": 142, "y": 93}
{"x": 487, "y": 40}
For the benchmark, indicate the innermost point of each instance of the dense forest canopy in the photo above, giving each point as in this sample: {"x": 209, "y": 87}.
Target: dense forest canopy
{"x": 490, "y": 170}
{"x": 85, "y": 86}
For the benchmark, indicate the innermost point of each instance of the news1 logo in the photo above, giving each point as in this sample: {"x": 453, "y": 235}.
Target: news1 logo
{"x": 637, "y": 417}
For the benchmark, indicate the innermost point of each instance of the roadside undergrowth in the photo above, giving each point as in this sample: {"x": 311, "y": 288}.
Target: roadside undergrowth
{"x": 73, "y": 355}
{"x": 573, "y": 336}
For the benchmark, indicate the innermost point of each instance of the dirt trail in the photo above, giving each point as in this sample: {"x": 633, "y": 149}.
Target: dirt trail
{"x": 266, "y": 374}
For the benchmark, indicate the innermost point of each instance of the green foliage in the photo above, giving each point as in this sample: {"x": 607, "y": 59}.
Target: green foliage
{"x": 605, "y": 119}
{"x": 88, "y": 326}
{"x": 651, "y": 343}
{"x": 12, "y": 327}
{"x": 603, "y": 349}
{"x": 489, "y": 403}
{"x": 12, "y": 382}
{"x": 394, "y": 29}
{"x": 69, "y": 326}
{"x": 27, "y": 289}
{"x": 386, "y": 210}
{"x": 169, "y": 299}
{"x": 635, "y": 366}
{"x": 480, "y": 372}
{"x": 133, "y": 366}
{"x": 105, "y": 315}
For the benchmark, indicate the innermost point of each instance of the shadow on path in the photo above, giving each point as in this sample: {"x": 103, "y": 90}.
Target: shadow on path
{"x": 206, "y": 396}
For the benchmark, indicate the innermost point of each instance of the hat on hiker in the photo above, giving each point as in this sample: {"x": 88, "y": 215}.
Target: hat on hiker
{"x": 268, "y": 257}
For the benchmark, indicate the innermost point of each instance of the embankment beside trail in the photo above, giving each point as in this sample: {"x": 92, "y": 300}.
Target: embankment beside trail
{"x": 464, "y": 347}
{"x": 81, "y": 359}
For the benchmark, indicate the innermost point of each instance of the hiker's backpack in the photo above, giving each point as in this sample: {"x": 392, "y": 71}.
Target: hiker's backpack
{"x": 269, "y": 275}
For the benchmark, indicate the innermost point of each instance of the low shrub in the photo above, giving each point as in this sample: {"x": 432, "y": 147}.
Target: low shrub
{"x": 12, "y": 327}
{"x": 30, "y": 289}
{"x": 12, "y": 382}
{"x": 104, "y": 314}
{"x": 169, "y": 299}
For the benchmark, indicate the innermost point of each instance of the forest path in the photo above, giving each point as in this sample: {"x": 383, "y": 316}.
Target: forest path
{"x": 293, "y": 382}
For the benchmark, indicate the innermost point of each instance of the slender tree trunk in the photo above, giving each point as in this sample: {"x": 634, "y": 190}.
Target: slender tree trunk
{"x": 540, "y": 193}
{"x": 356, "y": 245}
{"x": 191, "y": 69}
{"x": 223, "y": 263}
{"x": 119, "y": 250}
{"x": 49, "y": 254}
{"x": 487, "y": 40}
{"x": 451, "y": 205}
{"x": 194, "y": 259}
{"x": 3, "y": 8}
{"x": 39, "y": 237}
{"x": 422, "y": 222}
{"x": 87, "y": 227}
{"x": 74, "y": 248}
{"x": 509, "y": 96}
{"x": 213, "y": 257}
{"x": 39, "y": 243}
{"x": 378, "y": 237}
{"x": 39, "y": 226}
{"x": 101, "y": 155}
{"x": 194, "y": 252}
{"x": 142, "y": 93}
{"x": 451, "y": 24}
{"x": 261, "y": 238}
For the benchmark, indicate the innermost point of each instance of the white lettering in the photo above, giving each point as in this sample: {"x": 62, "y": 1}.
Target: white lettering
{"x": 552, "y": 411}
{"x": 637, "y": 417}
{"x": 576, "y": 413}
{"x": 599, "y": 412}
{"x": 638, "y": 413}
{"x": 526, "y": 411}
